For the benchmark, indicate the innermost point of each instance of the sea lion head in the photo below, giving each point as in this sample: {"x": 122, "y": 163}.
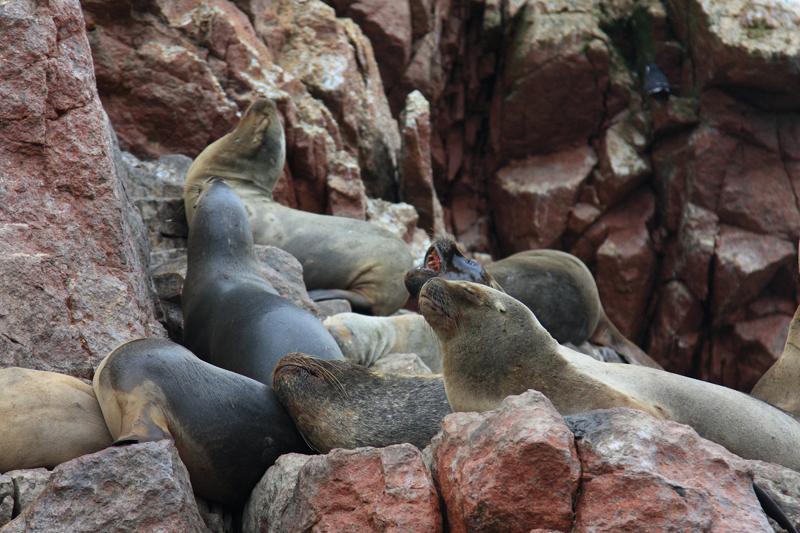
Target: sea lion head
{"x": 313, "y": 392}
{"x": 446, "y": 259}
{"x": 220, "y": 221}
{"x": 453, "y": 306}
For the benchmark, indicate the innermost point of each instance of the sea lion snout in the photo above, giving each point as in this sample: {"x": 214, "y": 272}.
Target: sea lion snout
{"x": 416, "y": 278}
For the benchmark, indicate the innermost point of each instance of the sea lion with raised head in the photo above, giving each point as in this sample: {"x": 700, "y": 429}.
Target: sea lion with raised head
{"x": 341, "y": 257}
{"x": 337, "y": 404}
{"x": 555, "y": 285}
{"x": 228, "y": 428}
{"x": 493, "y": 346}
{"x": 232, "y": 317}
{"x": 47, "y": 419}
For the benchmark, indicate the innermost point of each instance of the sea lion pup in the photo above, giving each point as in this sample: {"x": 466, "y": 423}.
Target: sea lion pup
{"x": 337, "y": 404}
{"x": 493, "y": 347}
{"x": 555, "y": 285}
{"x": 780, "y": 384}
{"x": 232, "y": 317}
{"x": 228, "y": 428}
{"x": 341, "y": 257}
{"x": 47, "y": 419}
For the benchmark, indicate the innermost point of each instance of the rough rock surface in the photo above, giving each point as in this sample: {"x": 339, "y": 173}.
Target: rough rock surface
{"x": 639, "y": 470}
{"x": 131, "y": 488}
{"x": 376, "y": 489}
{"x": 71, "y": 246}
{"x": 514, "y": 468}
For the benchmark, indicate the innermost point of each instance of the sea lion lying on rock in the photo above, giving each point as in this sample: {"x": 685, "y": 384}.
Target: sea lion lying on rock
{"x": 494, "y": 346}
{"x": 46, "y": 419}
{"x": 341, "y": 257}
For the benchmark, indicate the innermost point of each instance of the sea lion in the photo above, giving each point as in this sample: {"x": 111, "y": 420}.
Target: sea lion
{"x": 341, "y": 257}
{"x": 337, "y": 404}
{"x": 228, "y": 428}
{"x": 46, "y": 419}
{"x": 232, "y": 317}
{"x": 779, "y": 384}
{"x": 494, "y": 346}
{"x": 555, "y": 285}
{"x": 365, "y": 340}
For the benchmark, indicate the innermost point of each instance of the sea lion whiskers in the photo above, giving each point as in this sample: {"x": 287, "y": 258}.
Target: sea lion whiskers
{"x": 326, "y": 370}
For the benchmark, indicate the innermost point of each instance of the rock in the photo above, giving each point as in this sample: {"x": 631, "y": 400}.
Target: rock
{"x": 513, "y": 469}
{"x": 387, "y": 489}
{"x": 6, "y": 499}
{"x": 750, "y": 46}
{"x": 622, "y": 166}
{"x": 643, "y": 473}
{"x": 744, "y": 263}
{"x": 401, "y": 363}
{"x": 74, "y": 282}
{"x": 28, "y": 484}
{"x": 399, "y": 219}
{"x": 416, "y": 174}
{"x": 532, "y": 198}
{"x": 676, "y": 333}
{"x": 782, "y": 484}
{"x": 273, "y": 494}
{"x": 160, "y": 178}
{"x": 130, "y": 488}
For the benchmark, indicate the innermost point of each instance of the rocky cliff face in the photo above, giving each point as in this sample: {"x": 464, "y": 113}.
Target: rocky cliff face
{"x": 536, "y": 133}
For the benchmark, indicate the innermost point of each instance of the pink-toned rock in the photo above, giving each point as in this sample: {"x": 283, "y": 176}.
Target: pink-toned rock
{"x": 744, "y": 263}
{"x": 689, "y": 256}
{"x": 640, "y": 473}
{"x": 388, "y": 25}
{"x": 532, "y": 198}
{"x": 741, "y": 354}
{"x": 622, "y": 165}
{"x": 73, "y": 264}
{"x": 676, "y": 333}
{"x": 416, "y": 174}
{"x": 511, "y": 469}
{"x": 366, "y": 489}
{"x": 143, "y": 487}
{"x": 747, "y": 45}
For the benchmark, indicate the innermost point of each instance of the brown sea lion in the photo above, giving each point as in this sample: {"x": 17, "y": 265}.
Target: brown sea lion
{"x": 494, "y": 346}
{"x": 341, "y": 257}
{"x": 780, "y": 385}
{"x": 337, "y": 404}
{"x": 228, "y": 428}
{"x": 46, "y": 419}
{"x": 232, "y": 317}
{"x": 555, "y": 285}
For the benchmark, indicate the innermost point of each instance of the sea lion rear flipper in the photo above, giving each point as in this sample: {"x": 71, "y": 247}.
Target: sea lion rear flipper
{"x": 607, "y": 334}
{"x": 358, "y": 302}
{"x": 772, "y": 509}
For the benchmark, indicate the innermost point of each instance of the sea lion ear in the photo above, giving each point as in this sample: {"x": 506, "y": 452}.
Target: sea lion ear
{"x": 500, "y": 307}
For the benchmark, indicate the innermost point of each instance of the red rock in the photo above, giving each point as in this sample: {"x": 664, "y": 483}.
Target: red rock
{"x": 676, "y": 333}
{"x": 689, "y": 258}
{"x": 388, "y": 25}
{"x": 742, "y": 353}
{"x": 622, "y": 166}
{"x": 366, "y": 489}
{"x": 744, "y": 263}
{"x": 641, "y": 473}
{"x": 532, "y": 198}
{"x": 510, "y": 469}
{"x": 73, "y": 274}
{"x": 416, "y": 174}
{"x": 346, "y": 194}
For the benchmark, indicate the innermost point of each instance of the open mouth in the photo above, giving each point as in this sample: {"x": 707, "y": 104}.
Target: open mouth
{"x": 433, "y": 261}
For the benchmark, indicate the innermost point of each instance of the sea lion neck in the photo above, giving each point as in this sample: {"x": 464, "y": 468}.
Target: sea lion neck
{"x": 220, "y": 229}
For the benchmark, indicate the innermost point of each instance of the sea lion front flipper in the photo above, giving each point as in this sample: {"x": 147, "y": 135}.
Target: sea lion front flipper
{"x": 145, "y": 424}
{"x": 608, "y": 335}
{"x": 358, "y": 302}
{"x": 778, "y": 385}
{"x": 772, "y": 509}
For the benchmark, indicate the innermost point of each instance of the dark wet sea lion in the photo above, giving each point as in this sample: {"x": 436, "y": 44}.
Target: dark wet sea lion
{"x": 493, "y": 347}
{"x": 232, "y": 317}
{"x": 555, "y": 285}
{"x": 46, "y": 419}
{"x": 341, "y": 257}
{"x": 228, "y": 428}
{"x": 337, "y": 404}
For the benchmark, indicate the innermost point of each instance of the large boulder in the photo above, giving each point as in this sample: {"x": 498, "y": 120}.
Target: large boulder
{"x": 130, "y": 488}
{"x": 73, "y": 263}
